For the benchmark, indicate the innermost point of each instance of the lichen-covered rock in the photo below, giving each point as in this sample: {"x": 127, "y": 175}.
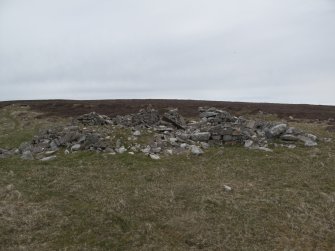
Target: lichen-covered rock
{"x": 173, "y": 117}
{"x": 48, "y": 158}
{"x": 308, "y": 141}
{"x": 121, "y": 150}
{"x": 75, "y": 147}
{"x": 248, "y": 143}
{"x": 289, "y": 137}
{"x": 137, "y": 133}
{"x": 276, "y": 130}
{"x": 195, "y": 150}
{"x": 27, "y": 155}
{"x": 201, "y": 136}
{"x": 216, "y": 116}
{"x": 154, "y": 156}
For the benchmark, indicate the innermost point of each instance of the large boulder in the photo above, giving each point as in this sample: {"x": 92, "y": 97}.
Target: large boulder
{"x": 308, "y": 139}
{"x": 173, "y": 117}
{"x": 276, "y": 131}
{"x": 201, "y": 136}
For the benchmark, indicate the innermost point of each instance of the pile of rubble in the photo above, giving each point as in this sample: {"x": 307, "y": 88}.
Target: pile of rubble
{"x": 145, "y": 118}
{"x": 168, "y": 134}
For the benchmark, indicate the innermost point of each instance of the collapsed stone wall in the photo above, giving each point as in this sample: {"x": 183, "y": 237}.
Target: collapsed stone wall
{"x": 145, "y": 117}
{"x": 170, "y": 134}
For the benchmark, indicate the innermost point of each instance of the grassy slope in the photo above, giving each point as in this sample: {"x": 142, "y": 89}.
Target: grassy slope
{"x": 88, "y": 201}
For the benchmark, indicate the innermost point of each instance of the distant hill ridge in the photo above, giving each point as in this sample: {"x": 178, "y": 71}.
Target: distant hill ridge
{"x": 188, "y": 108}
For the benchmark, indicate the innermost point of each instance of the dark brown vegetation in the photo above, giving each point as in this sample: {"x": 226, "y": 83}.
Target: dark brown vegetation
{"x": 188, "y": 108}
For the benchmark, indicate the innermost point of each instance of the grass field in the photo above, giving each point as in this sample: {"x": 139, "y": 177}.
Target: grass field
{"x": 283, "y": 200}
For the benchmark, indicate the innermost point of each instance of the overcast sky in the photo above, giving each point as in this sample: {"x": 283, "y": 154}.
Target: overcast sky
{"x": 241, "y": 50}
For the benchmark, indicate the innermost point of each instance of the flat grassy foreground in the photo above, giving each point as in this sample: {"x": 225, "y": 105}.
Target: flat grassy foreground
{"x": 283, "y": 200}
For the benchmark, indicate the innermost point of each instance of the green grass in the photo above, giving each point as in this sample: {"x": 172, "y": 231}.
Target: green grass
{"x": 86, "y": 201}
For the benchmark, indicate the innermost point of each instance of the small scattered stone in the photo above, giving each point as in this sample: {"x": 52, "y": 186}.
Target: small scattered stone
{"x": 265, "y": 149}
{"x": 121, "y": 150}
{"x": 137, "y": 133}
{"x": 10, "y": 187}
{"x": 76, "y": 147}
{"x": 183, "y": 145}
{"x": 289, "y": 137}
{"x": 156, "y": 149}
{"x": 248, "y": 143}
{"x": 251, "y": 124}
{"x": 227, "y": 188}
{"x": 154, "y": 156}
{"x": 183, "y": 136}
{"x": 53, "y": 146}
{"x": 310, "y": 143}
{"x": 204, "y": 145}
{"x": 109, "y": 150}
{"x": 27, "y": 155}
{"x": 312, "y": 137}
{"x": 48, "y": 153}
{"x": 196, "y": 150}
{"x": 293, "y": 130}
{"x": 48, "y": 158}
{"x": 146, "y": 150}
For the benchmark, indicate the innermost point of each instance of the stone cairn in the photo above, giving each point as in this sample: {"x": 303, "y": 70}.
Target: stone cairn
{"x": 169, "y": 134}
